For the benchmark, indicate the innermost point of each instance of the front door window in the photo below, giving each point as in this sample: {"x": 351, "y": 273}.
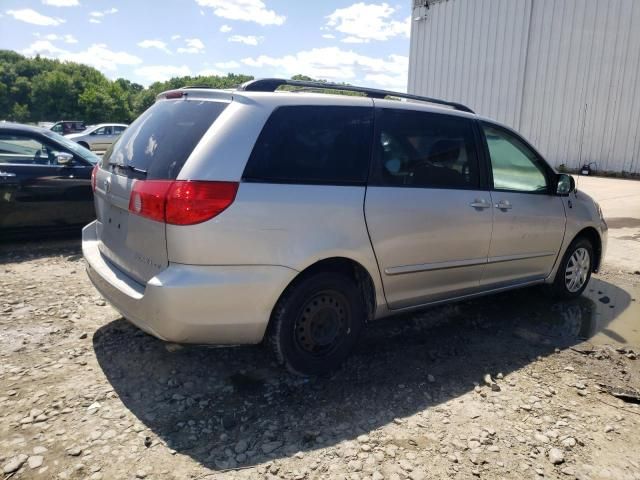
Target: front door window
{"x": 515, "y": 166}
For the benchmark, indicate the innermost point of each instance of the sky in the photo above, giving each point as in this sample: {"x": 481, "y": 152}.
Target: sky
{"x": 350, "y": 41}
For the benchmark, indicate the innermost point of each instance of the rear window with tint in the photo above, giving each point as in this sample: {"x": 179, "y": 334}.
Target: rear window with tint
{"x": 162, "y": 138}
{"x": 313, "y": 144}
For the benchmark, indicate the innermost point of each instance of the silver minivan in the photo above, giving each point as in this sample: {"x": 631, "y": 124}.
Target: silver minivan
{"x": 294, "y": 218}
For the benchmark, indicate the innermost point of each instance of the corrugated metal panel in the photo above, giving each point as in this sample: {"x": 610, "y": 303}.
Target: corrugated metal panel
{"x": 565, "y": 73}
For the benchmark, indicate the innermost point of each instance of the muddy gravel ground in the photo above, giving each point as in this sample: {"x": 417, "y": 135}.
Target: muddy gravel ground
{"x": 501, "y": 387}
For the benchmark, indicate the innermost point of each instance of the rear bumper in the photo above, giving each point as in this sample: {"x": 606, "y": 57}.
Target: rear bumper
{"x": 188, "y": 303}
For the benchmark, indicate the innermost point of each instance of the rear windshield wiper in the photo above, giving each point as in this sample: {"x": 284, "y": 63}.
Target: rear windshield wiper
{"x": 129, "y": 168}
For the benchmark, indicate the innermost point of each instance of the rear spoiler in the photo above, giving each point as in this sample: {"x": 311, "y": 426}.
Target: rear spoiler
{"x": 197, "y": 92}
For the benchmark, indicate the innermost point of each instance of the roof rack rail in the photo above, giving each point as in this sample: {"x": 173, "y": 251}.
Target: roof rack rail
{"x": 272, "y": 84}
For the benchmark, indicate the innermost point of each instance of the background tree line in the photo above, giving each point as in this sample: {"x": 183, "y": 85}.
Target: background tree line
{"x": 40, "y": 89}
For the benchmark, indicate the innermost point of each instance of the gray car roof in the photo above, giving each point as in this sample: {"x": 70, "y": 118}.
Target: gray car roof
{"x": 21, "y": 127}
{"x": 292, "y": 97}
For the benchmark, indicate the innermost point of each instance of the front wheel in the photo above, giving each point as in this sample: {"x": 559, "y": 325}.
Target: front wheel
{"x": 316, "y": 323}
{"x": 575, "y": 269}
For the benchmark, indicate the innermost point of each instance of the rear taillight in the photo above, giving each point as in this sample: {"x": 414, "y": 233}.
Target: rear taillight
{"x": 181, "y": 202}
{"x": 148, "y": 198}
{"x": 94, "y": 174}
{"x": 189, "y": 203}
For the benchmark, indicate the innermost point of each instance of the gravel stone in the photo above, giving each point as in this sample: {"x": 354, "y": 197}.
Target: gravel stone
{"x": 269, "y": 447}
{"x": 540, "y": 438}
{"x": 35, "y": 461}
{"x": 556, "y": 456}
{"x": 417, "y": 475}
{"x": 74, "y": 451}
{"x": 14, "y": 463}
{"x": 241, "y": 446}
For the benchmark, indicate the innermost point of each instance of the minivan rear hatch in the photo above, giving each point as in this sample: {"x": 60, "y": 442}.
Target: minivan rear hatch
{"x": 152, "y": 150}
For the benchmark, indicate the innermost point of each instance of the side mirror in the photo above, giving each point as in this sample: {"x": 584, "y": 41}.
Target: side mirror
{"x": 566, "y": 184}
{"x": 64, "y": 158}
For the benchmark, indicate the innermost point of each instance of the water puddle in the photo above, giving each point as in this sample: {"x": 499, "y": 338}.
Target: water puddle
{"x": 604, "y": 314}
{"x": 614, "y": 316}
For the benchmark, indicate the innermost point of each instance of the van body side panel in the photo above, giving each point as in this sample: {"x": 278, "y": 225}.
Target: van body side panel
{"x": 430, "y": 243}
{"x": 281, "y": 224}
{"x": 288, "y": 224}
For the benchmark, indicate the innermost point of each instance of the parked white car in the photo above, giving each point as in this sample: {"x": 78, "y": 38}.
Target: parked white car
{"x": 98, "y": 137}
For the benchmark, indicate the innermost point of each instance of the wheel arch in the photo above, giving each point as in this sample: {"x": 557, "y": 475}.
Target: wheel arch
{"x": 593, "y": 236}
{"x": 352, "y": 268}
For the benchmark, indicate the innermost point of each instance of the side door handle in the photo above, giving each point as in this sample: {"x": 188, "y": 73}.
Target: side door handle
{"x": 7, "y": 174}
{"x": 480, "y": 204}
{"x": 504, "y": 205}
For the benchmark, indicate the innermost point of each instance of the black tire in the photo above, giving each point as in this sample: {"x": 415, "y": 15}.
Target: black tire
{"x": 561, "y": 284}
{"x": 84, "y": 144}
{"x": 316, "y": 323}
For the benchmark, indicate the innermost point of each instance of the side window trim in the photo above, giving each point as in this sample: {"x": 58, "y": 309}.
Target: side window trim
{"x": 484, "y": 160}
{"x": 548, "y": 171}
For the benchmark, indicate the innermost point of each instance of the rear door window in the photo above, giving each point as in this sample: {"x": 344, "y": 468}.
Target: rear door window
{"x": 425, "y": 150}
{"x": 313, "y": 144}
{"x": 104, "y": 131}
{"x": 162, "y": 138}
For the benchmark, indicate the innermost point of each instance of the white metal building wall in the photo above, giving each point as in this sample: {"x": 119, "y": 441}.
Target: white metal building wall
{"x": 565, "y": 73}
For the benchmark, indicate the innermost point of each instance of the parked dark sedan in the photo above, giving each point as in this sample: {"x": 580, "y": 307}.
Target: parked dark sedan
{"x": 45, "y": 181}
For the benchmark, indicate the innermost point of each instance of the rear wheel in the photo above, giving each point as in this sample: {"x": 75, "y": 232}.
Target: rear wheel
{"x": 316, "y": 324}
{"x": 575, "y": 269}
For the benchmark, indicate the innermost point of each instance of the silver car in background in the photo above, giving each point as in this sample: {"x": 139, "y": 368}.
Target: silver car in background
{"x": 98, "y": 138}
{"x": 295, "y": 218}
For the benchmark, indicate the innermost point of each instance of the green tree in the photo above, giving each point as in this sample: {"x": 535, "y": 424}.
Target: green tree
{"x": 19, "y": 113}
{"x": 53, "y": 96}
{"x": 96, "y": 104}
{"x": 20, "y": 90}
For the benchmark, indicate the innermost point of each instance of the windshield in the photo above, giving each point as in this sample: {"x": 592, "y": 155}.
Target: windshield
{"x": 73, "y": 146}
